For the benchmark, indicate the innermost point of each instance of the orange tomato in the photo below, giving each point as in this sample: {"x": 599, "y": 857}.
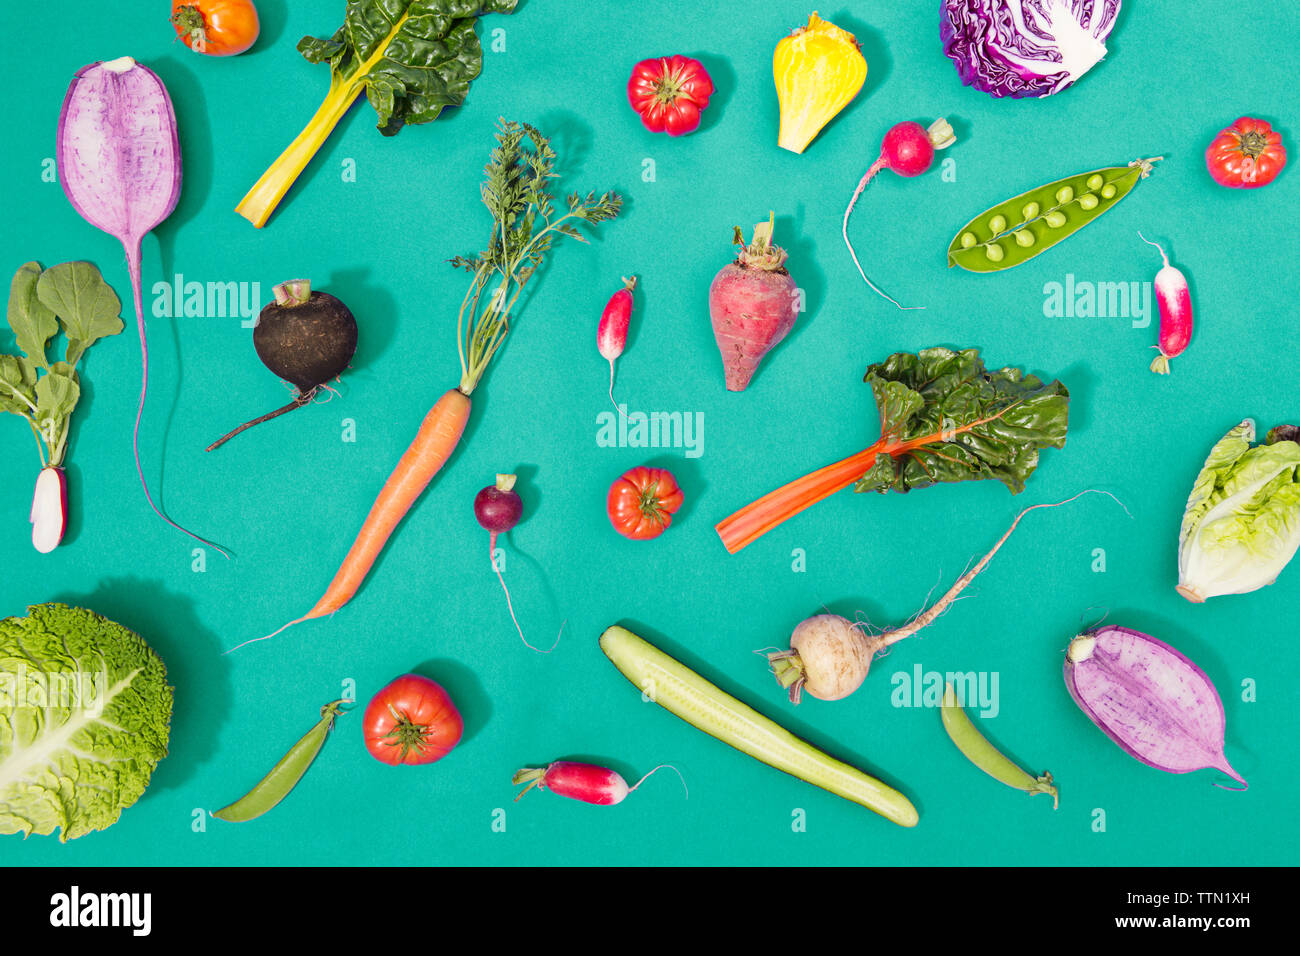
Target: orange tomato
{"x": 216, "y": 27}
{"x": 412, "y": 721}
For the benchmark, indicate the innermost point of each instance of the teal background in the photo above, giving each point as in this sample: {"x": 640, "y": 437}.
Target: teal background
{"x": 288, "y": 497}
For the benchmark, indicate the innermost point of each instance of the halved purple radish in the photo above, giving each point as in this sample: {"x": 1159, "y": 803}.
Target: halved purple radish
{"x": 49, "y": 516}
{"x": 119, "y": 161}
{"x": 1150, "y": 699}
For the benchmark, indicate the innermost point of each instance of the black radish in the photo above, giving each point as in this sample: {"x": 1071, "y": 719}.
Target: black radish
{"x": 306, "y": 337}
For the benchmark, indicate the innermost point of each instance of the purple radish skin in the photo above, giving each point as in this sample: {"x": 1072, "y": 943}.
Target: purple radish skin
{"x": 498, "y": 509}
{"x": 1157, "y": 705}
{"x": 49, "y": 515}
{"x": 119, "y": 162}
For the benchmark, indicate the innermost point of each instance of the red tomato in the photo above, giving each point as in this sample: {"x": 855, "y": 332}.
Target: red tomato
{"x": 669, "y": 92}
{"x": 412, "y": 720}
{"x": 1246, "y": 155}
{"x": 642, "y": 502}
{"x": 216, "y": 27}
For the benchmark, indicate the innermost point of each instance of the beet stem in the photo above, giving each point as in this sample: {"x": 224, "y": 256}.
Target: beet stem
{"x": 302, "y": 399}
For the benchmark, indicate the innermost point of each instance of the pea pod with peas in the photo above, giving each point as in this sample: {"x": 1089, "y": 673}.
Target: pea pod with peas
{"x": 1016, "y": 230}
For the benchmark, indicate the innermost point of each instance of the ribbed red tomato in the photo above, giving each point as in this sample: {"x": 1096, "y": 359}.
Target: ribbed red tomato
{"x": 641, "y": 503}
{"x": 1247, "y": 154}
{"x": 669, "y": 92}
{"x": 412, "y": 721}
{"x": 216, "y": 27}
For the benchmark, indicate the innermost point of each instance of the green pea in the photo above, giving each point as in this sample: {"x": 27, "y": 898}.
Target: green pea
{"x": 1055, "y": 219}
{"x": 1030, "y": 211}
{"x": 1108, "y": 191}
{"x": 1064, "y": 194}
{"x": 284, "y": 776}
{"x": 1095, "y": 181}
{"x": 998, "y": 224}
{"x": 977, "y": 749}
{"x": 1088, "y": 201}
{"x": 1024, "y": 238}
{"x": 994, "y": 252}
{"x": 967, "y": 240}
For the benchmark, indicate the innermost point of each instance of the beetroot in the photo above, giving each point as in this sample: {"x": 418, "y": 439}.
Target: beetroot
{"x": 1148, "y": 698}
{"x": 753, "y": 303}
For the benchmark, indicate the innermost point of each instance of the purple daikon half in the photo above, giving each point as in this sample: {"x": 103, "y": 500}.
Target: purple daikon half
{"x": 1148, "y": 698}
{"x": 119, "y": 162}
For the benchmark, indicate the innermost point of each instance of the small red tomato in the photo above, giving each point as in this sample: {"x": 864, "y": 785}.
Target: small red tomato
{"x": 1246, "y": 155}
{"x": 216, "y": 27}
{"x": 642, "y": 502}
{"x": 413, "y": 721}
{"x": 669, "y": 92}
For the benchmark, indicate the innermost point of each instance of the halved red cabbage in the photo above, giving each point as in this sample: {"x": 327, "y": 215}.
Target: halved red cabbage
{"x": 1025, "y": 47}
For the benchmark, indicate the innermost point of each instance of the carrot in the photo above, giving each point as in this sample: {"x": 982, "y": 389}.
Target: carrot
{"x": 525, "y": 224}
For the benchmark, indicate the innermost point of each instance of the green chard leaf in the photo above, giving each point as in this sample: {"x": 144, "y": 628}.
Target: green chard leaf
{"x": 966, "y": 423}
{"x": 414, "y": 57}
{"x": 32, "y": 320}
{"x": 86, "y": 305}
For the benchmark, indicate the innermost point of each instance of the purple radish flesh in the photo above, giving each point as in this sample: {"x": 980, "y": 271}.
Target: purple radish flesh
{"x": 119, "y": 162}
{"x": 306, "y": 337}
{"x": 1148, "y": 698}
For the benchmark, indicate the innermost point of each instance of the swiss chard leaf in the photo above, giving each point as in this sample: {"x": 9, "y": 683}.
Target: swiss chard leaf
{"x": 414, "y": 57}
{"x": 33, "y": 322}
{"x": 944, "y": 417}
{"x": 86, "y": 305}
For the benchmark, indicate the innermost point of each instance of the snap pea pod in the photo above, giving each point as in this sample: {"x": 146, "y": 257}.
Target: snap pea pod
{"x": 1016, "y": 230}
{"x": 984, "y": 755}
{"x": 284, "y": 776}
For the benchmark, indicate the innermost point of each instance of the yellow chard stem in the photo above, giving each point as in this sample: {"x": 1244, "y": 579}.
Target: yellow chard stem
{"x": 267, "y": 192}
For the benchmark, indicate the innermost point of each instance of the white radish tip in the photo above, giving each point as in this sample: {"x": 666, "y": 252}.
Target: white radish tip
{"x": 121, "y": 65}
{"x": 1081, "y": 648}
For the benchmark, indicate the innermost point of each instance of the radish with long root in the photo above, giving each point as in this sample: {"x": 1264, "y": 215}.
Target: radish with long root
{"x": 583, "y": 781}
{"x": 306, "y": 337}
{"x": 908, "y": 150}
{"x": 829, "y": 655}
{"x": 498, "y": 509}
{"x": 611, "y": 334}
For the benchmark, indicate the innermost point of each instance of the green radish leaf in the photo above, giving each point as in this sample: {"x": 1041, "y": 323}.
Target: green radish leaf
{"x": 970, "y": 424}
{"x": 86, "y": 305}
{"x": 31, "y": 319}
{"x": 56, "y": 396}
{"x": 17, "y": 381}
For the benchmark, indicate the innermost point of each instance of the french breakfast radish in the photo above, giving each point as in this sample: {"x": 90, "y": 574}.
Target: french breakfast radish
{"x": 753, "y": 303}
{"x": 611, "y": 334}
{"x": 1175, "y": 301}
{"x": 582, "y": 781}
{"x": 908, "y": 150}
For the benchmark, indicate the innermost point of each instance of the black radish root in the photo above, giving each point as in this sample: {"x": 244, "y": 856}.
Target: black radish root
{"x": 307, "y": 338}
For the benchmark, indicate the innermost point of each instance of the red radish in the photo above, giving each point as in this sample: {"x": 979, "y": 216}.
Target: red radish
{"x": 498, "y": 508}
{"x": 908, "y": 149}
{"x": 611, "y": 334}
{"x": 49, "y": 515}
{"x": 1175, "y": 312}
{"x": 583, "y": 781}
{"x": 753, "y": 303}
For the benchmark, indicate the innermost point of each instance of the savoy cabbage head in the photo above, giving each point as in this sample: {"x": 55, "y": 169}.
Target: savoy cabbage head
{"x": 85, "y": 713}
